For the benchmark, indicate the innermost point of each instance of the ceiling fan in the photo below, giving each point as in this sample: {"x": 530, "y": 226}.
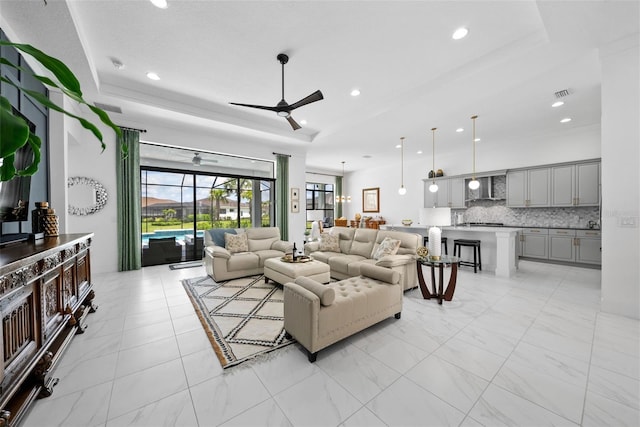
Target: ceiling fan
{"x": 283, "y": 109}
{"x": 197, "y": 160}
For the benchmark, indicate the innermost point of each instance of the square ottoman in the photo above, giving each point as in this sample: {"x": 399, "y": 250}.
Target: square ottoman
{"x": 282, "y": 272}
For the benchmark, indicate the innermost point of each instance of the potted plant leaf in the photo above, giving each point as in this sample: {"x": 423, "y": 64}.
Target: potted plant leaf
{"x": 15, "y": 132}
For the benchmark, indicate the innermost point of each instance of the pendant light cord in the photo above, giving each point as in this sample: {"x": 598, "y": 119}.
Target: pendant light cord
{"x": 402, "y": 162}
{"x": 474, "y": 145}
{"x": 433, "y": 155}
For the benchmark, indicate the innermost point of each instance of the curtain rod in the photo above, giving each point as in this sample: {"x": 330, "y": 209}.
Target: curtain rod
{"x": 128, "y": 128}
{"x": 280, "y": 154}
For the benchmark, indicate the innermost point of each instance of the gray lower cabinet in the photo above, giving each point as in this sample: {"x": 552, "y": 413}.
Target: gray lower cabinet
{"x": 588, "y": 246}
{"x": 562, "y": 245}
{"x": 535, "y": 243}
{"x": 576, "y": 246}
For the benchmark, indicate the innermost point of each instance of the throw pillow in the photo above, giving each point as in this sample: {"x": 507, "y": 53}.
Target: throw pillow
{"x": 217, "y": 235}
{"x": 329, "y": 243}
{"x": 235, "y": 243}
{"x": 388, "y": 246}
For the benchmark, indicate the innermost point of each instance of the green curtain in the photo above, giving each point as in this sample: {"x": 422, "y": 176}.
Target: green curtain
{"x": 129, "y": 210}
{"x": 282, "y": 195}
{"x": 338, "y": 193}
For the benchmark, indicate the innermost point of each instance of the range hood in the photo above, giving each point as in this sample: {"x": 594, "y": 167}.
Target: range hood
{"x": 487, "y": 190}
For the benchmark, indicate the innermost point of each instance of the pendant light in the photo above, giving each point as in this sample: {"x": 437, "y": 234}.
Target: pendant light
{"x": 340, "y": 198}
{"x": 434, "y": 187}
{"x": 474, "y": 184}
{"x": 402, "y": 191}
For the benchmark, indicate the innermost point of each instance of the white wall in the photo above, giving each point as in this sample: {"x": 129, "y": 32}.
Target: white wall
{"x": 620, "y": 178}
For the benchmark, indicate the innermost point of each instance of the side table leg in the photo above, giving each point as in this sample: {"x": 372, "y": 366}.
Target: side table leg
{"x": 423, "y": 286}
{"x": 451, "y": 287}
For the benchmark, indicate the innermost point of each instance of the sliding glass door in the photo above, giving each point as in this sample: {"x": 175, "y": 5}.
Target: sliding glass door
{"x": 179, "y": 206}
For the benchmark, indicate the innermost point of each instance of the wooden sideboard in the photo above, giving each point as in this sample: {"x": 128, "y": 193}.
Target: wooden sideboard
{"x": 45, "y": 295}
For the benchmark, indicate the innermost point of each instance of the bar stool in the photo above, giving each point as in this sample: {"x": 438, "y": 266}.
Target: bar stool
{"x": 425, "y": 243}
{"x": 475, "y": 244}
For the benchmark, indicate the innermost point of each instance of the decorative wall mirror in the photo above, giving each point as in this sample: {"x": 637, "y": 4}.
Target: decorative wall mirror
{"x": 86, "y": 195}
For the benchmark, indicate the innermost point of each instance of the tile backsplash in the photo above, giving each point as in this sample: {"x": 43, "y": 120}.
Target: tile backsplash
{"x": 496, "y": 211}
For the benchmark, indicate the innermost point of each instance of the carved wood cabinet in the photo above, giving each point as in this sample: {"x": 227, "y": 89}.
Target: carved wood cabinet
{"x": 45, "y": 295}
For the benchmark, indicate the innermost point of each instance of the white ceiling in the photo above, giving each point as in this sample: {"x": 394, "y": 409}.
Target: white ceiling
{"x": 401, "y": 56}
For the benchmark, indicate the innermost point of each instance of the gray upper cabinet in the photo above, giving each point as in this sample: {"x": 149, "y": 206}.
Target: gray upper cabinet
{"x": 450, "y": 193}
{"x": 575, "y": 185}
{"x": 528, "y": 188}
{"x": 588, "y": 184}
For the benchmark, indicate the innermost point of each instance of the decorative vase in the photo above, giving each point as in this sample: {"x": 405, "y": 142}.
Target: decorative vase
{"x": 37, "y": 216}
{"x": 50, "y": 224}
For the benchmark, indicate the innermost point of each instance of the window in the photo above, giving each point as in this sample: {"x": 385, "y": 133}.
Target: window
{"x": 320, "y": 203}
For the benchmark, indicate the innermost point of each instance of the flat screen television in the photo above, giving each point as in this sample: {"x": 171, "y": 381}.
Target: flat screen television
{"x": 14, "y": 194}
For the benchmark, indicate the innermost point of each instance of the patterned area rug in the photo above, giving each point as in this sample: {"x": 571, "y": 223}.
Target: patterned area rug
{"x": 243, "y": 317}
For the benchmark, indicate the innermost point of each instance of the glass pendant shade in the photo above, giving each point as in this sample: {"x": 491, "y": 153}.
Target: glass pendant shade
{"x": 474, "y": 184}
{"x": 433, "y": 187}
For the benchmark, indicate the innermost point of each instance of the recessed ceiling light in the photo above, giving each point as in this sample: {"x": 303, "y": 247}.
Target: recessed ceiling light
{"x": 419, "y": 152}
{"x": 355, "y": 92}
{"x": 162, "y": 4}
{"x": 460, "y": 33}
{"x": 153, "y": 76}
{"x": 557, "y": 104}
{"x": 366, "y": 156}
{"x": 398, "y": 146}
{"x": 477, "y": 140}
{"x": 460, "y": 130}
{"x": 303, "y": 122}
{"x": 565, "y": 120}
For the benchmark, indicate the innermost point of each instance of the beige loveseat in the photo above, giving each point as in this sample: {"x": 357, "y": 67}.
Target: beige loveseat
{"x": 318, "y": 315}
{"x": 357, "y": 247}
{"x": 263, "y": 243}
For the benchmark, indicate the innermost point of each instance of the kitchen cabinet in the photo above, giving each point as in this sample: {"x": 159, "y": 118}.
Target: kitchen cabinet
{"x": 450, "y": 193}
{"x": 562, "y": 245}
{"x": 575, "y": 184}
{"x": 528, "y": 187}
{"x": 588, "y": 247}
{"x": 535, "y": 243}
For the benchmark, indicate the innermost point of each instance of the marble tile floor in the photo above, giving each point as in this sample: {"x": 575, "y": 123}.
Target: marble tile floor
{"x": 532, "y": 350}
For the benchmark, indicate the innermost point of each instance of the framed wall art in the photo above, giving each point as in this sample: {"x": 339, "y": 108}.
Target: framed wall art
{"x": 371, "y": 199}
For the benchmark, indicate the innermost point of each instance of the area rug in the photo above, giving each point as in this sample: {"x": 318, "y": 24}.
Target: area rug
{"x": 243, "y": 318}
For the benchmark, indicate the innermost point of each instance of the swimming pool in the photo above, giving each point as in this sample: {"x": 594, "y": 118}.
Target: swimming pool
{"x": 179, "y": 234}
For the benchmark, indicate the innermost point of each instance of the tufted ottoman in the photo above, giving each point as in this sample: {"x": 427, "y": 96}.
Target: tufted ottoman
{"x": 283, "y": 272}
{"x": 318, "y": 315}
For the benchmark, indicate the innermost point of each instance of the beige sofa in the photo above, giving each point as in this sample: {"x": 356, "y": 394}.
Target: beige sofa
{"x": 263, "y": 243}
{"x": 318, "y": 315}
{"x": 357, "y": 246}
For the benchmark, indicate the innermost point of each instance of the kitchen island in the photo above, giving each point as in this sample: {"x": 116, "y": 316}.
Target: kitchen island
{"x": 498, "y": 245}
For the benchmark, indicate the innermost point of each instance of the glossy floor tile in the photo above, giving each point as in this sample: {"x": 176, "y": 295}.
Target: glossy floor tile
{"x": 526, "y": 351}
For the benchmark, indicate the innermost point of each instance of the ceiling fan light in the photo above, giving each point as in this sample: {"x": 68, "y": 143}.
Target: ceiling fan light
{"x": 283, "y": 113}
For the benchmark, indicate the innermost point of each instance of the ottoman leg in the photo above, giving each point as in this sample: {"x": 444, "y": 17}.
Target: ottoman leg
{"x": 312, "y": 356}
{"x": 397, "y": 315}
{"x": 266, "y": 279}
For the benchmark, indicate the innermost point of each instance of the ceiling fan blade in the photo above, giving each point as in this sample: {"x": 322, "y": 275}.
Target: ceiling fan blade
{"x": 293, "y": 123}
{"x": 315, "y": 96}
{"x": 262, "y": 107}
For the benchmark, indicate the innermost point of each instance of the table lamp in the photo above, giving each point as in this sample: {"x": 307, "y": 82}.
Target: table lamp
{"x": 435, "y": 217}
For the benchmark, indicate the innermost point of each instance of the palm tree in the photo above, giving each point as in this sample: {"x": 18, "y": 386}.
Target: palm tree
{"x": 219, "y": 195}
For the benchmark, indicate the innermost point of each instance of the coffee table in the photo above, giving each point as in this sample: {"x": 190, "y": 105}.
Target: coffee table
{"x": 282, "y": 272}
{"x": 438, "y": 293}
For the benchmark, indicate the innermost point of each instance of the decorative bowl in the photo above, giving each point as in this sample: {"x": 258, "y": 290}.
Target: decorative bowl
{"x": 407, "y": 222}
